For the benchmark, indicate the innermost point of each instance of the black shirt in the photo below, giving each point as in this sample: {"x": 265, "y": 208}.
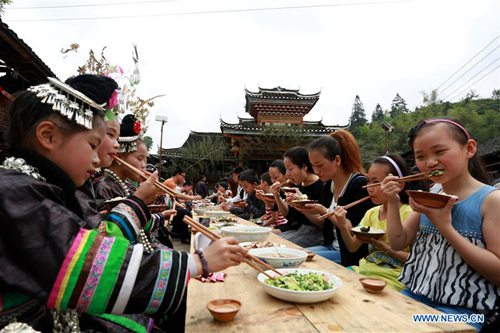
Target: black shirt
{"x": 354, "y": 191}
{"x": 313, "y": 191}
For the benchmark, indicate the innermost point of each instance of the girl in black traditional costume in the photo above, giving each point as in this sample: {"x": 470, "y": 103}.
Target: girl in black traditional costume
{"x": 52, "y": 268}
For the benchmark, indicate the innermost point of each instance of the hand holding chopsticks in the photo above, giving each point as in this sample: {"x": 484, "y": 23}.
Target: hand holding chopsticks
{"x": 410, "y": 178}
{"x": 352, "y": 204}
{"x": 249, "y": 259}
{"x": 146, "y": 175}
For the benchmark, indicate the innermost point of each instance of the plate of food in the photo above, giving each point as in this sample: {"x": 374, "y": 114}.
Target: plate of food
{"x": 259, "y": 245}
{"x": 288, "y": 189}
{"x": 302, "y": 202}
{"x": 300, "y": 285}
{"x": 428, "y": 199}
{"x": 245, "y": 233}
{"x": 278, "y": 257}
{"x": 364, "y": 233}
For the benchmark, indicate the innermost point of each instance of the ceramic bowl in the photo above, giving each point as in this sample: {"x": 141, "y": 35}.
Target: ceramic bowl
{"x": 372, "y": 285}
{"x": 278, "y": 257}
{"x": 302, "y": 203}
{"x": 216, "y": 213}
{"x": 428, "y": 199}
{"x": 365, "y": 236}
{"x": 294, "y": 296}
{"x": 244, "y": 233}
{"x": 224, "y": 309}
{"x": 288, "y": 189}
{"x": 310, "y": 256}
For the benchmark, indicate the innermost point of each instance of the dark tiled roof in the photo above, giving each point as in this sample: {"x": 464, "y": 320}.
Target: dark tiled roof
{"x": 250, "y": 126}
{"x": 17, "y": 55}
{"x": 490, "y": 146}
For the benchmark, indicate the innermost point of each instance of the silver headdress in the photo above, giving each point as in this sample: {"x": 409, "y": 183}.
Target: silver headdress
{"x": 128, "y": 144}
{"x": 69, "y": 102}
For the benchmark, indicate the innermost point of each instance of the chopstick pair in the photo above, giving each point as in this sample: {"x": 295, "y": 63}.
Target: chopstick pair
{"x": 213, "y": 236}
{"x": 410, "y": 178}
{"x": 352, "y": 204}
{"x": 145, "y": 175}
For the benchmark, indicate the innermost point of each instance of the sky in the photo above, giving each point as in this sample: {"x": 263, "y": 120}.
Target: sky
{"x": 203, "y": 54}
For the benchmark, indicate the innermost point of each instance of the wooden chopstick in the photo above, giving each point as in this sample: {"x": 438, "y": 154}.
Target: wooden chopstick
{"x": 145, "y": 175}
{"x": 410, "y": 178}
{"x": 352, "y": 204}
{"x": 213, "y": 236}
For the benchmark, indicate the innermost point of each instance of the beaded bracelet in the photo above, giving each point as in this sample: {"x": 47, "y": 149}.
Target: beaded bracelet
{"x": 204, "y": 263}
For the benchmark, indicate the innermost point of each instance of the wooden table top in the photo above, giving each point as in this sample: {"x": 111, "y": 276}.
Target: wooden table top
{"x": 351, "y": 309}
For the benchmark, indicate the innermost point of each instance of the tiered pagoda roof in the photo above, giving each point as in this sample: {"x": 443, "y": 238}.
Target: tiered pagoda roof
{"x": 279, "y": 105}
{"x": 248, "y": 126}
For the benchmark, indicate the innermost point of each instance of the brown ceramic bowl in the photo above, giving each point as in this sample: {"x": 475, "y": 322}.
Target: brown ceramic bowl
{"x": 428, "y": 199}
{"x": 288, "y": 189}
{"x": 310, "y": 255}
{"x": 372, "y": 285}
{"x": 302, "y": 203}
{"x": 224, "y": 309}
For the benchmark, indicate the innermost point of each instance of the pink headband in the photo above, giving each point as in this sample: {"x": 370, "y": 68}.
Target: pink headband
{"x": 445, "y": 120}
{"x": 394, "y": 164}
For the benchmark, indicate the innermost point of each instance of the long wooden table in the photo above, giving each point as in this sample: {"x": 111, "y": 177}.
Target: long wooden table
{"x": 351, "y": 309}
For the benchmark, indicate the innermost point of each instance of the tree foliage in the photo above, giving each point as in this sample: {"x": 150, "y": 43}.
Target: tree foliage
{"x": 358, "y": 116}
{"x": 148, "y": 141}
{"x": 398, "y": 106}
{"x": 480, "y": 116}
{"x": 378, "y": 114}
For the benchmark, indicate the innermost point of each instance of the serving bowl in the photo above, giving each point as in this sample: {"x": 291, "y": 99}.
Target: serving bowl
{"x": 429, "y": 199}
{"x": 278, "y": 257}
{"x": 216, "y": 213}
{"x": 302, "y": 202}
{"x": 372, "y": 285}
{"x": 295, "y": 296}
{"x": 244, "y": 233}
{"x": 224, "y": 309}
{"x": 365, "y": 236}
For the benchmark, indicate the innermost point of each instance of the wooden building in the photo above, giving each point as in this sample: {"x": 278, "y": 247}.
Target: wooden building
{"x": 276, "y": 124}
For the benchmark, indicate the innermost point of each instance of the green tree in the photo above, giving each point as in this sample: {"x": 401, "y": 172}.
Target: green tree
{"x": 378, "y": 114}
{"x": 398, "y": 106}
{"x": 495, "y": 94}
{"x": 148, "y": 141}
{"x": 358, "y": 116}
{"x": 431, "y": 98}
{"x": 2, "y": 4}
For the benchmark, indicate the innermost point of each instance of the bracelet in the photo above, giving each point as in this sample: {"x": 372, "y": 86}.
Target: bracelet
{"x": 204, "y": 263}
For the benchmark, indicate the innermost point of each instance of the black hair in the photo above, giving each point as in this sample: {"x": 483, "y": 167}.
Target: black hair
{"x": 404, "y": 172}
{"x": 96, "y": 87}
{"x": 127, "y": 126}
{"x": 299, "y": 157}
{"x": 250, "y": 176}
{"x": 265, "y": 177}
{"x": 475, "y": 165}
{"x": 223, "y": 184}
{"x": 27, "y": 111}
{"x": 343, "y": 144}
{"x": 237, "y": 170}
{"x": 177, "y": 171}
{"x": 278, "y": 164}
{"x": 187, "y": 183}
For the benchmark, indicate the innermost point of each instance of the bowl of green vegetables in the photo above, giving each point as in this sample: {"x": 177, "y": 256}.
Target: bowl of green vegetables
{"x": 300, "y": 285}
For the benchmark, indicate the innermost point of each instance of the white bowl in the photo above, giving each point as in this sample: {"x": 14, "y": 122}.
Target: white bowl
{"x": 244, "y": 233}
{"x": 278, "y": 257}
{"x": 216, "y": 213}
{"x": 300, "y": 296}
{"x": 200, "y": 241}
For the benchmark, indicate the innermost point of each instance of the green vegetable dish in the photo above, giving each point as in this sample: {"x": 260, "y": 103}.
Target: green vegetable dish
{"x": 434, "y": 173}
{"x": 301, "y": 282}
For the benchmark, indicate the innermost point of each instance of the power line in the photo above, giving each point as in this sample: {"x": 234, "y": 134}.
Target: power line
{"x": 92, "y": 5}
{"x": 213, "y": 11}
{"x": 483, "y": 77}
{"x": 491, "y": 63}
{"x": 467, "y": 71}
{"x": 494, "y": 39}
